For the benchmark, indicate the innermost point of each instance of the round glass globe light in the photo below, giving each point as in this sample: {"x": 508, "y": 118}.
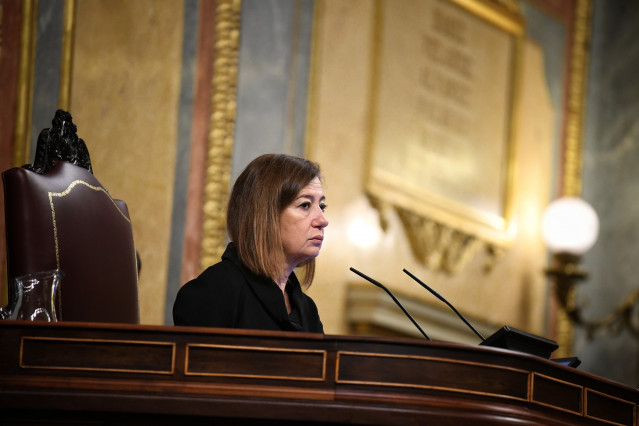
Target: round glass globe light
{"x": 570, "y": 225}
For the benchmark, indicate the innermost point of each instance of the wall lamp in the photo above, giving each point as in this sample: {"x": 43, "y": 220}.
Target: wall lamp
{"x": 570, "y": 227}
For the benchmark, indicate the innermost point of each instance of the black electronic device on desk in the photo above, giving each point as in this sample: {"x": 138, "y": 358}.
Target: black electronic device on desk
{"x": 506, "y": 337}
{"x": 511, "y": 338}
{"x": 572, "y": 361}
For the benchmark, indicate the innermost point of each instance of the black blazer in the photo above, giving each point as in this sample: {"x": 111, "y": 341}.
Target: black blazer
{"x": 229, "y": 295}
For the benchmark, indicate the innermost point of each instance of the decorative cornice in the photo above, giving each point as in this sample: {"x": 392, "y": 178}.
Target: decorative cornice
{"x": 438, "y": 246}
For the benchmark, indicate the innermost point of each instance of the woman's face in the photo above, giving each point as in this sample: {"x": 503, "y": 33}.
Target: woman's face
{"x": 302, "y": 224}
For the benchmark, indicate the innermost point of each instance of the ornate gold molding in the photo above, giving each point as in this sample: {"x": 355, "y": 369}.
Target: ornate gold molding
{"x": 25, "y": 81}
{"x": 573, "y": 148}
{"x": 24, "y": 105}
{"x": 222, "y": 126}
{"x": 441, "y": 247}
{"x": 579, "y": 55}
{"x": 505, "y": 14}
{"x": 438, "y": 246}
{"x": 66, "y": 67}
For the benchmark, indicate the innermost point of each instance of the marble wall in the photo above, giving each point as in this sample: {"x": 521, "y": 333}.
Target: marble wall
{"x": 272, "y": 79}
{"x": 611, "y": 185}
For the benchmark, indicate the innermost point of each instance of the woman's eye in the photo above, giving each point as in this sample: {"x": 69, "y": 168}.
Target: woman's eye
{"x": 323, "y": 207}
{"x": 305, "y": 205}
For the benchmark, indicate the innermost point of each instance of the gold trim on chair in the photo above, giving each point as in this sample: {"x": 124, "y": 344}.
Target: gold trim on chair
{"x": 64, "y": 194}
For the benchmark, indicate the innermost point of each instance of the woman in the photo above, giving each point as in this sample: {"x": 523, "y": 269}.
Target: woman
{"x": 275, "y": 221}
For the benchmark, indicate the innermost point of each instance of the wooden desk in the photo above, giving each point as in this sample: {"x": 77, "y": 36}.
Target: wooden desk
{"x": 62, "y": 373}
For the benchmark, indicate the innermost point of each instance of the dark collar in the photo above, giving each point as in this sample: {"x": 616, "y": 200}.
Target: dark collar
{"x": 268, "y": 292}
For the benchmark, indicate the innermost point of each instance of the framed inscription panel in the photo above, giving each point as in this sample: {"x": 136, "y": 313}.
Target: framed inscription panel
{"x": 442, "y": 117}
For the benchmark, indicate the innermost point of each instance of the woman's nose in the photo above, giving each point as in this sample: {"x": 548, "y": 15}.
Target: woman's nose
{"x": 320, "y": 220}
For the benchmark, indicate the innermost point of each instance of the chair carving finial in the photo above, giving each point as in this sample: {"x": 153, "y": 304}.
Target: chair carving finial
{"x": 60, "y": 143}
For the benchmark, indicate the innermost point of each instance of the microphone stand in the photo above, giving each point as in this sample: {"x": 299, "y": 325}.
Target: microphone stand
{"x": 437, "y": 295}
{"x": 372, "y": 281}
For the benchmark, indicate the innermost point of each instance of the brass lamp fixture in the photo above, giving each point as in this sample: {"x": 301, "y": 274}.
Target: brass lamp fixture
{"x": 570, "y": 227}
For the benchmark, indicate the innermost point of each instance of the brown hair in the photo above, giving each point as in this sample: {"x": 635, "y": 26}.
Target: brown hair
{"x": 262, "y": 191}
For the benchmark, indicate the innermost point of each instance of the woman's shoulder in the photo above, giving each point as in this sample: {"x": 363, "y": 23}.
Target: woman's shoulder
{"x": 220, "y": 276}
{"x": 210, "y": 299}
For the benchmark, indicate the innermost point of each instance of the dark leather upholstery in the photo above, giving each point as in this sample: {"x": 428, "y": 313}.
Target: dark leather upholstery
{"x": 68, "y": 209}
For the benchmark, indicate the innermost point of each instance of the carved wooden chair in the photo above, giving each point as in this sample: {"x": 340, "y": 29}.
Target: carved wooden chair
{"x": 59, "y": 216}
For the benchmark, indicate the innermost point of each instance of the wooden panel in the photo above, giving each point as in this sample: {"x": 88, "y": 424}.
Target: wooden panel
{"x": 609, "y": 408}
{"x": 431, "y": 373}
{"x": 97, "y": 355}
{"x": 176, "y": 375}
{"x": 255, "y": 362}
{"x": 557, "y": 394}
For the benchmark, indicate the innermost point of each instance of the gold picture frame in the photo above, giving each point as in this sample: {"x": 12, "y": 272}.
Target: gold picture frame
{"x": 446, "y": 76}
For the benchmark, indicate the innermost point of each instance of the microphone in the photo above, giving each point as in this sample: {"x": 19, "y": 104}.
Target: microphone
{"x": 506, "y": 337}
{"x": 372, "y": 281}
{"x": 437, "y": 295}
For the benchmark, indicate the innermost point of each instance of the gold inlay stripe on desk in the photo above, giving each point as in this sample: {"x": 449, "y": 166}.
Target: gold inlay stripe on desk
{"x": 541, "y": 384}
{"x": 616, "y": 408}
{"x": 519, "y": 379}
{"x": 123, "y": 356}
{"x": 255, "y": 362}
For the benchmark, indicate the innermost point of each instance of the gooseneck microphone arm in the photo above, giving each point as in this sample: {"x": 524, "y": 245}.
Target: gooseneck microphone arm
{"x": 437, "y": 295}
{"x": 372, "y": 281}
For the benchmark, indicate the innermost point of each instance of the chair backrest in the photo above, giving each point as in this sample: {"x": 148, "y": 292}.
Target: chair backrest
{"x": 65, "y": 219}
